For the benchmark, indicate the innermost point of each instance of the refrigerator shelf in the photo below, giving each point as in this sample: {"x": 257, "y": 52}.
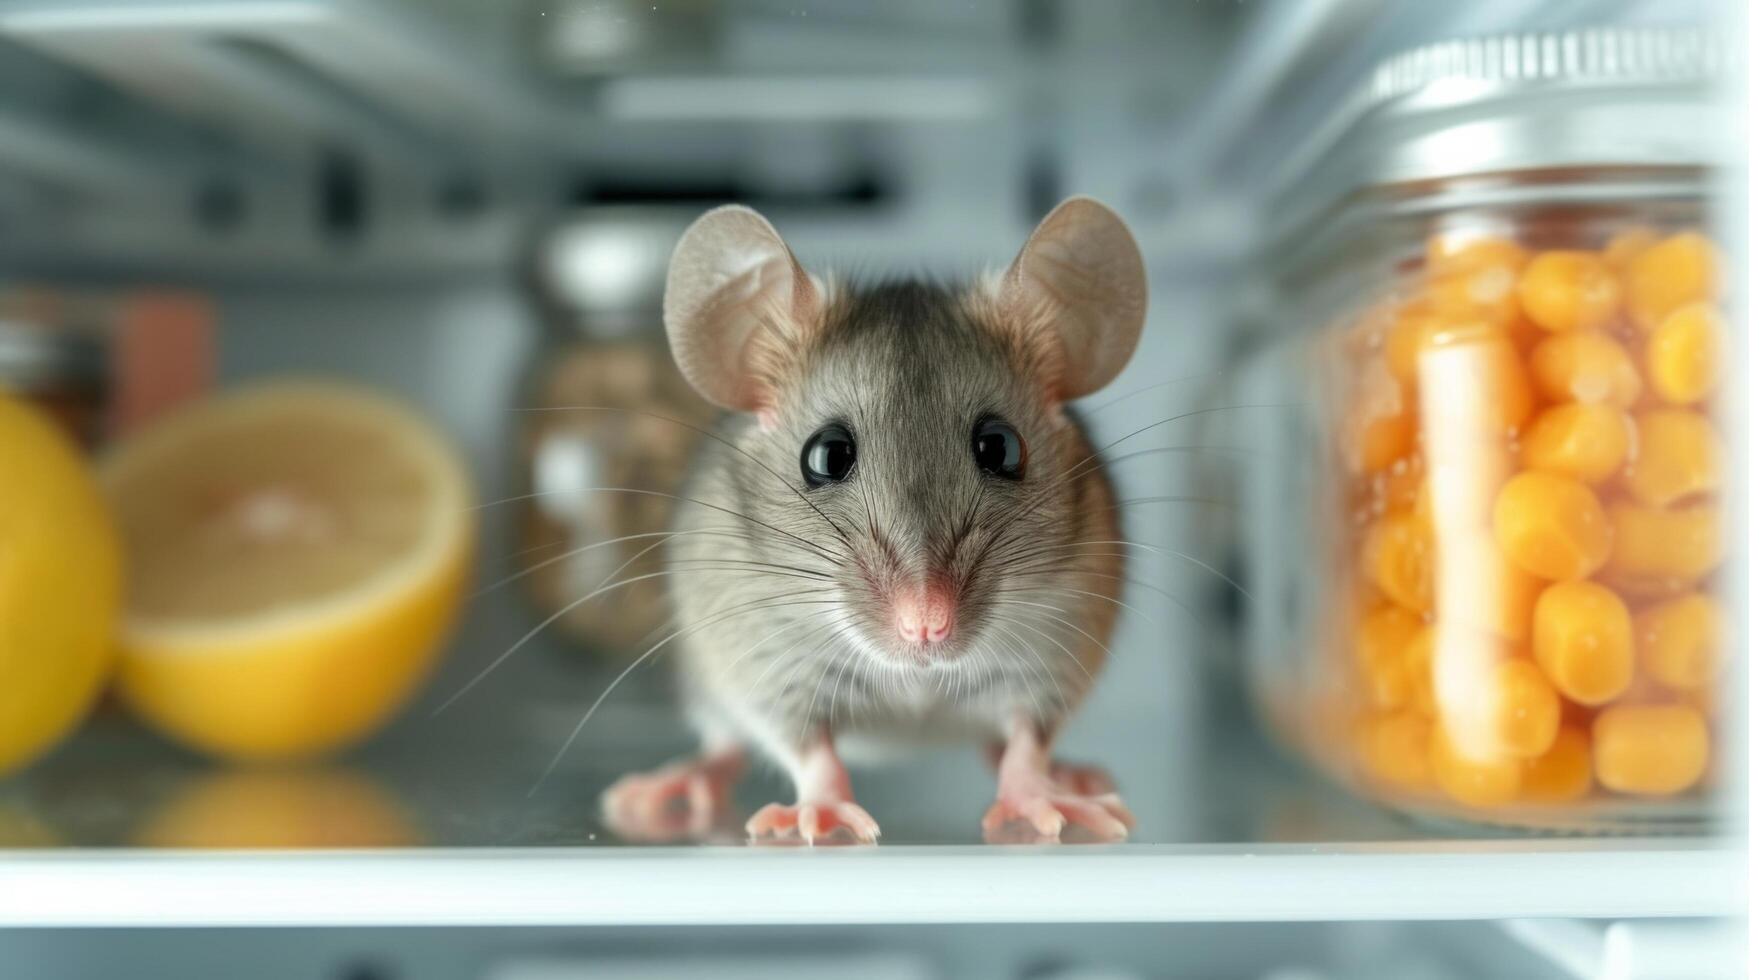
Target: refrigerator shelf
{"x": 435, "y": 824}
{"x": 1411, "y": 880}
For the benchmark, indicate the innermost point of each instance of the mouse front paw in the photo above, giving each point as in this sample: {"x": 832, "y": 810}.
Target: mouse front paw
{"x": 812, "y": 823}
{"x": 684, "y": 800}
{"x": 1050, "y": 815}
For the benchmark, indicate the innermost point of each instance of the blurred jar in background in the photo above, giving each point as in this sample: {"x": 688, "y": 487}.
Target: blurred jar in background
{"x": 610, "y": 430}
{"x": 103, "y": 363}
{"x": 55, "y": 352}
{"x": 1492, "y": 590}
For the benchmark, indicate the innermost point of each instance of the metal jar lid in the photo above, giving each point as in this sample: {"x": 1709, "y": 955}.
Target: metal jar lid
{"x": 1604, "y": 98}
{"x": 36, "y": 356}
{"x": 603, "y": 269}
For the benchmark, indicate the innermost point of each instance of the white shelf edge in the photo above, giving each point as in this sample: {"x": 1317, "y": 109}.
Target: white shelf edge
{"x": 733, "y": 886}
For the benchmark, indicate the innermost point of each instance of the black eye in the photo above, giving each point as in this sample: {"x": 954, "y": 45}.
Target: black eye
{"x": 828, "y": 456}
{"x": 998, "y": 449}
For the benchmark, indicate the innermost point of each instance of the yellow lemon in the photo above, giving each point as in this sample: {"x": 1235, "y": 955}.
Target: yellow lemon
{"x": 20, "y": 830}
{"x": 299, "y": 551}
{"x": 261, "y": 808}
{"x": 60, "y": 585}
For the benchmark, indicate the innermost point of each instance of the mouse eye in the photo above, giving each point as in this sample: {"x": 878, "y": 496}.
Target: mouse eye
{"x": 998, "y": 449}
{"x": 828, "y": 455}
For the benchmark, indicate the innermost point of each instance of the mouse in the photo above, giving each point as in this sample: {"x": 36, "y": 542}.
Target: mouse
{"x": 898, "y": 535}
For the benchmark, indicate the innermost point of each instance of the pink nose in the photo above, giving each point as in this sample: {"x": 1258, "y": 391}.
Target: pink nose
{"x": 924, "y": 615}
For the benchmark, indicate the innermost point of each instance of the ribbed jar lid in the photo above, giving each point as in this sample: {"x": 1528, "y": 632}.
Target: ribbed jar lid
{"x": 1608, "y": 97}
{"x": 1602, "y": 55}
{"x": 34, "y": 356}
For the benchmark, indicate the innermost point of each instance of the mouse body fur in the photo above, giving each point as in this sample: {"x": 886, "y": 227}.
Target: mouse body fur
{"x": 900, "y": 533}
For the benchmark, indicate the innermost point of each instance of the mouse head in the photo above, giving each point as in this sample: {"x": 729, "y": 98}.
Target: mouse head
{"x": 913, "y": 433}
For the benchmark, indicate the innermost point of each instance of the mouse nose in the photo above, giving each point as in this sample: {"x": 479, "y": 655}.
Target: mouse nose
{"x": 924, "y": 615}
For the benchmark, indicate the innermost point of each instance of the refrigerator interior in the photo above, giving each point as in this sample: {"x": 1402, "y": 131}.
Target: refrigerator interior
{"x": 357, "y": 188}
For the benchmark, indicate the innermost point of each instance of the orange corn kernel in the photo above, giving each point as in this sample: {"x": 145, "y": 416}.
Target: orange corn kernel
{"x": 1527, "y": 712}
{"x": 1583, "y": 639}
{"x": 1508, "y": 598}
{"x": 1680, "y": 641}
{"x": 1376, "y": 443}
{"x": 1649, "y": 749}
{"x": 1394, "y": 749}
{"x": 1415, "y": 322}
{"x": 1398, "y": 557}
{"x": 1585, "y": 367}
{"x": 1400, "y": 486}
{"x": 1472, "y": 781}
{"x": 1686, "y": 354}
{"x": 1664, "y": 547}
{"x": 1679, "y": 270}
{"x": 1563, "y": 773}
{"x": 1451, "y": 252}
{"x": 1562, "y": 290}
{"x": 1551, "y": 526}
{"x": 1486, "y": 293}
{"x": 1626, "y": 245}
{"x": 1585, "y": 442}
{"x": 1418, "y": 659}
{"x": 1680, "y": 456}
{"x": 1381, "y": 649}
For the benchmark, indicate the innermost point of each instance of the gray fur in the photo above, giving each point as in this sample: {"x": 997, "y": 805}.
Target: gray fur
{"x": 775, "y": 586}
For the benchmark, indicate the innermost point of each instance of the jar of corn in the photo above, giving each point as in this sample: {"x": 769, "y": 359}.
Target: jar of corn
{"x": 1499, "y": 292}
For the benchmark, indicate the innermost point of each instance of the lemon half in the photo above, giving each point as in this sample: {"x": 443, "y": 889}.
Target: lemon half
{"x": 60, "y": 585}
{"x": 297, "y": 553}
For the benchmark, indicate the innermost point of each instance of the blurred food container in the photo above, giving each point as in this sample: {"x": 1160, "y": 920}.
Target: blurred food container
{"x": 610, "y": 429}
{"x": 103, "y": 363}
{"x": 1487, "y": 554}
{"x": 57, "y": 355}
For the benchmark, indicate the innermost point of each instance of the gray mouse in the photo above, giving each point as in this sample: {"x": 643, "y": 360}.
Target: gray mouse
{"x": 899, "y": 534}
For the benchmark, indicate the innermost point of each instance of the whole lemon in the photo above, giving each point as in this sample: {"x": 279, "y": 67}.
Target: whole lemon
{"x": 60, "y": 585}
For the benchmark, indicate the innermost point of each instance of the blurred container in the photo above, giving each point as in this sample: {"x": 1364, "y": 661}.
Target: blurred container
{"x": 57, "y": 355}
{"x": 1495, "y": 290}
{"x": 103, "y": 363}
{"x": 610, "y": 430}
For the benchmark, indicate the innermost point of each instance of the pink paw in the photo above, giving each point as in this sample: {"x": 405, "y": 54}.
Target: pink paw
{"x": 1080, "y": 780}
{"x": 1045, "y": 816}
{"x": 684, "y": 800}
{"x": 812, "y": 823}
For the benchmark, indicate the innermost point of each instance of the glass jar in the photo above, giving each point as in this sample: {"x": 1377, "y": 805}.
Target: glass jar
{"x": 610, "y": 430}
{"x": 1501, "y": 307}
{"x": 104, "y": 363}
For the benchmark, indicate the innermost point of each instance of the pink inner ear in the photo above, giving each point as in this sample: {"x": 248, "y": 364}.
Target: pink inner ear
{"x": 767, "y": 417}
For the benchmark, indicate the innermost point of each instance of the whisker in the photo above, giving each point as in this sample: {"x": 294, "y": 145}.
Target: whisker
{"x": 1049, "y": 674}
{"x": 806, "y": 718}
{"x": 1171, "y": 499}
{"x": 707, "y": 433}
{"x": 572, "y": 553}
{"x": 727, "y": 532}
{"x": 1126, "y": 396}
{"x": 1129, "y": 580}
{"x": 1063, "y": 621}
{"x": 758, "y": 606}
{"x": 812, "y": 546}
{"x": 531, "y": 634}
{"x": 1095, "y": 456}
{"x": 832, "y": 699}
{"x": 1082, "y": 592}
{"x": 841, "y": 626}
{"x": 744, "y": 654}
{"x": 1066, "y": 651}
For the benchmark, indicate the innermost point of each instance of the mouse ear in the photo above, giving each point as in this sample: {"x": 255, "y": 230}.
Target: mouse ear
{"x": 731, "y": 282}
{"x": 1079, "y": 286}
